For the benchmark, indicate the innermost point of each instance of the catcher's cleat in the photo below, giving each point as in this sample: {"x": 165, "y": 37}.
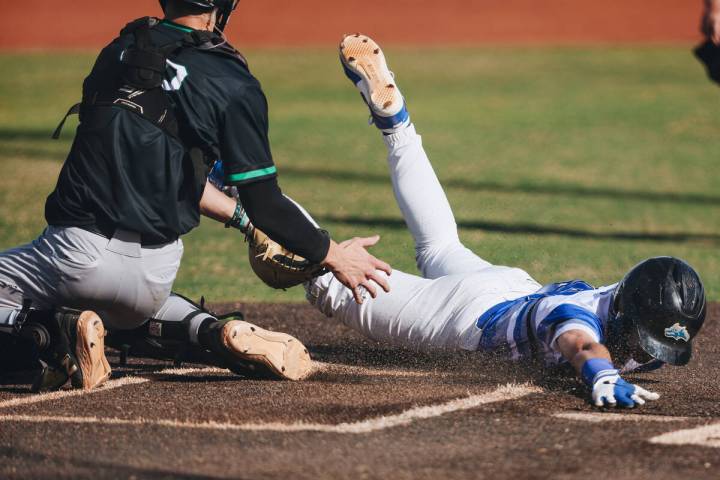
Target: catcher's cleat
{"x": 364, "y": 64}
{"x": 75, "y": 350}
{"x": 253, "y": 352}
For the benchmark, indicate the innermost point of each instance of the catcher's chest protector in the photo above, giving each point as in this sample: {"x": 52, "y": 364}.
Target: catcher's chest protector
{"x": 144, "y": 166}
{"x": 135, "y": 82}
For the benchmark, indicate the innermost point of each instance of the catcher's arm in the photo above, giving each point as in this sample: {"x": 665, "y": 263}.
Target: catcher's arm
{"x": 216, "y": 205}
{"x": 593, "y": 364}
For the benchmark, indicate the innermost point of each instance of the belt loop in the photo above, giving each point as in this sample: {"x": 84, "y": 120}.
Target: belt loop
{"x": 126, "y": 243}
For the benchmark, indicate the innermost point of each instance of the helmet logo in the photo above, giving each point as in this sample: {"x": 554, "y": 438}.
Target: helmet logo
{"x": 677, "y": 333}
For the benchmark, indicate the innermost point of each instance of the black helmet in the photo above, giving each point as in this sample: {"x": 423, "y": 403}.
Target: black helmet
{"x": 225, "y": 8}
{"x": 664, "y": 299}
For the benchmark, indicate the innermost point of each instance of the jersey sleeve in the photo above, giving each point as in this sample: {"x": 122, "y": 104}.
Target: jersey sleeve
{"x": 567, "y": 317}
{"x": 244, "y": 144}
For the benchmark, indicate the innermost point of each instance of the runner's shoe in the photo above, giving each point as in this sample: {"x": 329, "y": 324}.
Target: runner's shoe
{"x": 364, "y": 64}
{"x": 254, "y": 352}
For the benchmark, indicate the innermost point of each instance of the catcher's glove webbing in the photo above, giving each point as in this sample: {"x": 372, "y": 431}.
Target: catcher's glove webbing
{"x": 275, "y": 265}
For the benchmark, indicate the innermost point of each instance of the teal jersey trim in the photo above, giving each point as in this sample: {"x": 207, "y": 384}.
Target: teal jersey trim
{"x": 239, "y": 177}
{"x": 170, "y": 24}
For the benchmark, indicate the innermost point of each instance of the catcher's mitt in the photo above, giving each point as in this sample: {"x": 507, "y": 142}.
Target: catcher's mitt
{"x": 275, "y": 265}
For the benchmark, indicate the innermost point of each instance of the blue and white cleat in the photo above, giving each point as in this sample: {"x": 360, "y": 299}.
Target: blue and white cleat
{"x": 364, "y": 64}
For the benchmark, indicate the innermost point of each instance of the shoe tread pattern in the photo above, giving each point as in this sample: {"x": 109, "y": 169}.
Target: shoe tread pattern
{"x": 363, "y": 56}
{"x": 283, "y": 354}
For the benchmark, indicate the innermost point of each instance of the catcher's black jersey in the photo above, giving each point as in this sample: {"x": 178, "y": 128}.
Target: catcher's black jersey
{"x": 225, "y": 108}
{"x": 124, "y": 172}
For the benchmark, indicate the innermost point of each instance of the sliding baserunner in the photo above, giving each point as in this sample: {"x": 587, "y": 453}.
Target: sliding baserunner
{"x": 462, "y": 301}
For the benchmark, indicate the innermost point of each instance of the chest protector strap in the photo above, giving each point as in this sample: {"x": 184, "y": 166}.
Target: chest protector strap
{"x": 137, "y": 84}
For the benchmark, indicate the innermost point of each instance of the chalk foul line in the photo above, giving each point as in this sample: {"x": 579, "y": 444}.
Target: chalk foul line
{"x": 504, "y": 393}
{"x": 705, "y": 436}
{"x": 596, "y": 417}
{"x": 109, "y": 385}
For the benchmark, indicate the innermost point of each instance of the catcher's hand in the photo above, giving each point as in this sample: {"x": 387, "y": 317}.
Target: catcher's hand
{"x": 275, "y": 265}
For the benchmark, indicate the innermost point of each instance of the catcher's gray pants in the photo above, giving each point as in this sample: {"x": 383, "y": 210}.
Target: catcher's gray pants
{"x": 122, "y": 281}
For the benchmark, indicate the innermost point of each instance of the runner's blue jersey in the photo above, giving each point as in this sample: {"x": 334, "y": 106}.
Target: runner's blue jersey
{"x": 529, "y": 326}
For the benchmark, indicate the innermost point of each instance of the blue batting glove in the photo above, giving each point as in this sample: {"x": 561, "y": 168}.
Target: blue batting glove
{"x": 609, "y": 389}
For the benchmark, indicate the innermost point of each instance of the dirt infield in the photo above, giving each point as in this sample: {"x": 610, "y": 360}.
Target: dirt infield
{"x": 88, "y": 24}
{"x": 369, "y": 411}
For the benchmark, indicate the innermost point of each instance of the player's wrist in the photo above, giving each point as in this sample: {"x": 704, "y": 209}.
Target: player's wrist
{"x": 595, "y": 369}
{"x": 239, "y": 219}
{"x": 332, "y": 257}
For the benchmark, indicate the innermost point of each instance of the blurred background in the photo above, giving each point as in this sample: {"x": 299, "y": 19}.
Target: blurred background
{"x": 574, "y": 139}
{"x": 83, "y": 24}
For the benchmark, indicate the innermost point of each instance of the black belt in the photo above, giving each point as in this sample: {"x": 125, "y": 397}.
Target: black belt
{"x": 108, "y": 232}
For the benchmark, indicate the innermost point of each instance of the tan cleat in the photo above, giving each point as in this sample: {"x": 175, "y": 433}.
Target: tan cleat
{"x": 364, "y": 64}
{"x": 75, "y": 350}
{"x": 90, "y": 351}
{"x": 254, "y": 352}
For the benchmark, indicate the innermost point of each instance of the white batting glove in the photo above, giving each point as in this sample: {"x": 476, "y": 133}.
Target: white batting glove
{"x": 610, "y": 390}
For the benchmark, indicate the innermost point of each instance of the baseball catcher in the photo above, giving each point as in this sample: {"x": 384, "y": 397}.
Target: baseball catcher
{"x": 646, "y": 320}
{"x": 164, "y": 100}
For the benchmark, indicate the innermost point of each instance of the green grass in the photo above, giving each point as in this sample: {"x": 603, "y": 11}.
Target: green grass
{"x": 566, "y": 162}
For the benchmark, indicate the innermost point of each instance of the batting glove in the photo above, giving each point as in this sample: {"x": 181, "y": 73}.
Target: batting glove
{"x": 609, "y": 389}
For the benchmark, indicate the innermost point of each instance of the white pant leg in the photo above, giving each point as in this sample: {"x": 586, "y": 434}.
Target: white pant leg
{"x": 426, "y": 210}
{"x": 421, "y": 312}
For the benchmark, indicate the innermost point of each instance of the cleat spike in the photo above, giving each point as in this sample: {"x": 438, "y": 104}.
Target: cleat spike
{"x": 387, "y": 104}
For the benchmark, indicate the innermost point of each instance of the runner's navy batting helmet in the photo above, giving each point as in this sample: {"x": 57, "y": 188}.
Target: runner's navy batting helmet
{"x": 663, "y": 298}
{"x": 225, "y": 8}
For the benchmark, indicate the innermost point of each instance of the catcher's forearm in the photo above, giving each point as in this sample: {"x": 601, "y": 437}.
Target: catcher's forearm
{"x": 216, "y": 205}
{"x": 272, "y": 212}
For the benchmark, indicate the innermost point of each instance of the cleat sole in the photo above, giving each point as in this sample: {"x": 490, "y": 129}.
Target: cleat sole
{"x": 365, "y": 58}
{"x": 281, "y": 353}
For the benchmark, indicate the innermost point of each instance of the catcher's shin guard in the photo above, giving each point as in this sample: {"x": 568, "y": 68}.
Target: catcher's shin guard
{"x": 169, "y": 338}
{"x": 19, "y": 359}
